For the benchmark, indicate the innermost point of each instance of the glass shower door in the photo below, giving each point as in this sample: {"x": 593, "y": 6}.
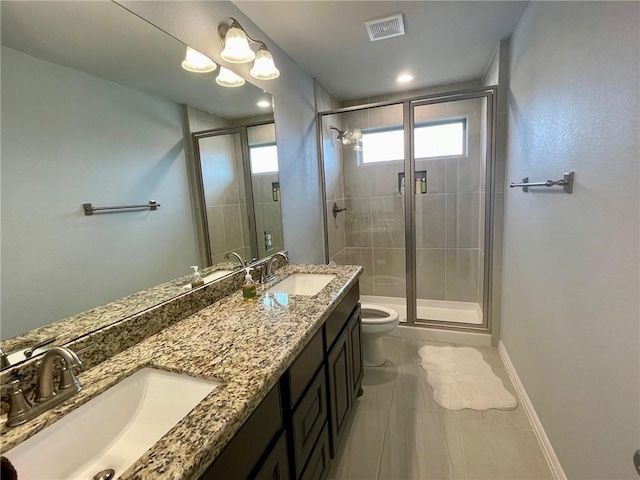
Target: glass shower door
{"x": 450, "y": 165}
{"x": 363, "y": 155}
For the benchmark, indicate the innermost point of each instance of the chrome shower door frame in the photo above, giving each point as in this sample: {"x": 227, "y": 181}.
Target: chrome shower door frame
{"x": 408, "y": 105}
{"x": 410, "y": 208}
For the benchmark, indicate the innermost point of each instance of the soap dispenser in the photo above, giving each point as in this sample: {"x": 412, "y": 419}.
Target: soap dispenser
{"x": 249, "y": 292}
{"x": 197, "y": 278}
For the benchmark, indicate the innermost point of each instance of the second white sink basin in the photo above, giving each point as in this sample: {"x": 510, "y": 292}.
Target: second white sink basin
{"x": 302, "y": 284}
{"x": 216, "y": 275}
{"x": 112, "y": 430}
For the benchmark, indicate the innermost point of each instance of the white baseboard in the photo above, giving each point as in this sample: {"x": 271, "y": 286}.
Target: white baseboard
{"x": 447, "y": 336}
{"x": 543, "y": 440}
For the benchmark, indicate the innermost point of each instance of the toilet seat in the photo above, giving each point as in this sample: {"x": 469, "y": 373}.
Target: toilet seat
{"x": 380, "y": 314}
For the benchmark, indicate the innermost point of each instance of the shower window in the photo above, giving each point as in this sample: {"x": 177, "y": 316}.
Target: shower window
{"x": 264, "y": 159}
{"x": 444, "y": 138}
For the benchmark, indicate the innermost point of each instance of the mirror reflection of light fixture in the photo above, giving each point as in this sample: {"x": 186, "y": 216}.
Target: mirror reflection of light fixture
{"x": 264, "y": 104}
{"x": 196, "y": 62}
{"x": 346, "y": 138}
{"x": 237, "y": 49}
{"x": 227, "y": 78}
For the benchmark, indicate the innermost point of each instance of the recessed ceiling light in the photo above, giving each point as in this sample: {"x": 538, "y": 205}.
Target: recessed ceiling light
{"x": 404, "y": 78}
{"x": 264, "y": 103}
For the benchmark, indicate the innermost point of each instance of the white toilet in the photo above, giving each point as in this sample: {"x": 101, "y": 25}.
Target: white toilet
{"x": 377, "y": 321}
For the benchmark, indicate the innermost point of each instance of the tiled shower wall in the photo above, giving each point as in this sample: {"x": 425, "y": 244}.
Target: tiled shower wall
{"x": 224, "y": 190}
{"x": 333, "y": 177}
{"x": 450, "y": 217}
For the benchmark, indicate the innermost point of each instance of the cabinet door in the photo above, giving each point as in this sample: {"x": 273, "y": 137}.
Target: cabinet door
{"x": 317, "y": 467}
{"x": 251, "y": 442}
{"x": 276, "y": 466}
{"x": 308, "y": 420}
{"x": 340, "y": 388}
{"x": 355, "y": 347}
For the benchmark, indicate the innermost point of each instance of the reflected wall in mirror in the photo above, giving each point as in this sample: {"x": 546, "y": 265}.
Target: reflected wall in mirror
{"x": 93, "y": 110}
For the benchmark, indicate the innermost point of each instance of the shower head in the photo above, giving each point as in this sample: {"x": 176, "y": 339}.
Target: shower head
{"x": 346, "y": 138}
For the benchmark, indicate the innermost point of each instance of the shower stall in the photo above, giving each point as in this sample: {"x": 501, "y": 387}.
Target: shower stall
{"x": 408, "y": 195}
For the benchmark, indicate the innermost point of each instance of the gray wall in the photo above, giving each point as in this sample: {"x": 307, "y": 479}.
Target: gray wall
{"x": 196, "y": 24}
{"x": 70, "y": 138}
{"x": 571, "y": 269}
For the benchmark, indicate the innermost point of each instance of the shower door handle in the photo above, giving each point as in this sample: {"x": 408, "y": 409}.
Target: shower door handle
{"x": 337, "y": 210}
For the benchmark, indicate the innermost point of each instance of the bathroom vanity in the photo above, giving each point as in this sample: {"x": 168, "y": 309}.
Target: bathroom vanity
{"x": 288, "y": 367}
{"x": 299, "y": 425}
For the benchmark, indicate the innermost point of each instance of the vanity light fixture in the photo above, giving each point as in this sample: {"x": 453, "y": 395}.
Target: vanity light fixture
{"x": 196, "y": 62}
{"x": 237, "y": 49}
{"x": 227, "y": 78}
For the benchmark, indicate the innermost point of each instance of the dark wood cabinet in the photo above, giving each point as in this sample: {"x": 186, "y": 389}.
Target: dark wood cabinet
{"x": 340, "y": 388}
{"x": 276, "y": 465}
{"x": 355, "y": 349}
{"x": 309, "y": 418}
{"x": 251, "y": 442}
{"x": 319, "y": 461}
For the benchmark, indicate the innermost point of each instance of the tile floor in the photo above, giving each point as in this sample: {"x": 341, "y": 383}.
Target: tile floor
{"x": 398, "y": 432}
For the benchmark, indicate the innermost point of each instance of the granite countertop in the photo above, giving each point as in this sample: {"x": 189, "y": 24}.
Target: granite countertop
{"x": 70, "y": 328}
{"x": 246, "y": 346}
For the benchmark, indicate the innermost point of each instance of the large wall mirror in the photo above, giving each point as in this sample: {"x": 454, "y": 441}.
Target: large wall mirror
{"x": 96, "y": 108}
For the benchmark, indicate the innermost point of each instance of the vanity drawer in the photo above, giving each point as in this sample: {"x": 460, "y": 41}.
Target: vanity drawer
{"x": 318, "y": 466}
{"x": 308, "y": 420}
{"x": 242, "y": 454}
{"x": 338, "y": 318}
{"x": 304, "y": 368}
{"x": 276, "y": 465}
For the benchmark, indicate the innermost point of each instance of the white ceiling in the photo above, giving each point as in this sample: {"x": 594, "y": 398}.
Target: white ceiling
{"x": 105, "y": 40}
{"x": 445, "y": 41}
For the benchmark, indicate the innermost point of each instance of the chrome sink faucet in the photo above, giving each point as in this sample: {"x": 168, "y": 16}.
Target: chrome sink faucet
{"x": 44, "y": 386}
{"x": 269, "y": 267}
{"x": 46, "y": 396}
{"x": 240, "y": 259}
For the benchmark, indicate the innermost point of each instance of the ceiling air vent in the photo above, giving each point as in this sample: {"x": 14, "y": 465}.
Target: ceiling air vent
{"x": 386, "y": 27}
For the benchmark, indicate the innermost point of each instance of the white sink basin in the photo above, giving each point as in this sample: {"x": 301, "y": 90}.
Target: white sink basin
{"x": 302, "y": 284}
{"x": 210, "y": 278}
{"x": 112, "y": 430}
{"x": 216, "y": 275}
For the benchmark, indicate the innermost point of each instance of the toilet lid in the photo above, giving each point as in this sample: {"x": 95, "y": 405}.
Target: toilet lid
{"x": 373, "y": 314}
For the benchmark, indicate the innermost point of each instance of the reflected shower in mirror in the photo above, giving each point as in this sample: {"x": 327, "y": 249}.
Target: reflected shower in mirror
{"x": 94, "y": 102}
{"x": 239, "y": 180}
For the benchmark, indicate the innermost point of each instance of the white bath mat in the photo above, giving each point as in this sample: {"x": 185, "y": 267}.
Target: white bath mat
{"x": 462, "y": 379}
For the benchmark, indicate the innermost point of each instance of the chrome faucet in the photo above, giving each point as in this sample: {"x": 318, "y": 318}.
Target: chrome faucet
{"x": 269, "y": 268}
{"x": 46, "y": 396}
{"x": 240, "y": 259}
{"x": 4, "y": 361}
{"x": 44, "y": 386}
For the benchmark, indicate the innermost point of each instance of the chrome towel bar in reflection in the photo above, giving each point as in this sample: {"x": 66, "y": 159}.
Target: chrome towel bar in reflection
{"x": 90, "y": 209}
{"x": 566, "y": 183}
